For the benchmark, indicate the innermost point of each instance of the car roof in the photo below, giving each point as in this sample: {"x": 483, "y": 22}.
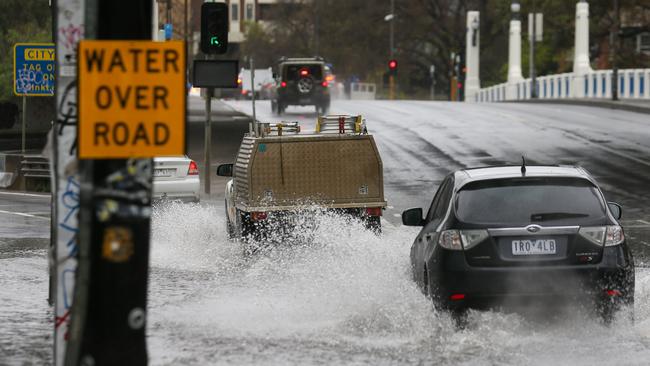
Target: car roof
{"x": 464, "y": 176}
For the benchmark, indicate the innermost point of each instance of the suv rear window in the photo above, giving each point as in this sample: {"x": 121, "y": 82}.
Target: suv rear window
{"x": 524, "y": 201}
{"x": 292, "y": 72}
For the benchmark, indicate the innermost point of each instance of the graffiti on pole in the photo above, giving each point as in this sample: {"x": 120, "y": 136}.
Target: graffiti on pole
{"x": 70, "y": 30}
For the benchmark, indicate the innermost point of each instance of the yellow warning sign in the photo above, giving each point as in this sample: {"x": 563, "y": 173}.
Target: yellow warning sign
{"x": 132, "y": 99}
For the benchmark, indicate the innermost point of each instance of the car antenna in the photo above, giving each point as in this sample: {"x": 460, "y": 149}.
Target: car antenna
{"x": 523, "y": 165}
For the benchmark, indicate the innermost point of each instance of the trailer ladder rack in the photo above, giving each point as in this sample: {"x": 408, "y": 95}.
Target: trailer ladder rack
{"x": 279, "y": 128}
{"x": 341, "y": 124}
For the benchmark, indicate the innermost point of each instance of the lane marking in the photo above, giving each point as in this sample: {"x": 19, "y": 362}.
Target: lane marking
{"x": 26, "y": 194}
{"x": 24, "y": 215}
{"x": 397, "y": 215}
{"x": 643, "y": 222}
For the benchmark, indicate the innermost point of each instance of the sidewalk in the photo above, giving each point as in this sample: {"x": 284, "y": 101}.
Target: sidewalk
{"x": 630, "y": 105}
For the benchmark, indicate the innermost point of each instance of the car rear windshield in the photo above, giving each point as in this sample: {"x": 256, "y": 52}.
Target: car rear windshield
{"x": 523, "y": 201}
{"x": 292, "y": 72}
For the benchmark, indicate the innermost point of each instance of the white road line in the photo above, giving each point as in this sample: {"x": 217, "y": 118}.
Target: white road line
{"x": 643, "y": 222}
{"x": 25, "y": 194}
{"x": 24, "y": 215}
{"x": 397, "y": 215}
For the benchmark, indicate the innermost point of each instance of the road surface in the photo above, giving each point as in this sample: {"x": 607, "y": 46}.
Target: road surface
{"x": 346, "y": 297}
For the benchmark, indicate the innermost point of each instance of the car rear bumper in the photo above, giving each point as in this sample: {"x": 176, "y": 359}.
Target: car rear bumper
{"x": 489, "y": 284}
{"x": 186, "y": 190}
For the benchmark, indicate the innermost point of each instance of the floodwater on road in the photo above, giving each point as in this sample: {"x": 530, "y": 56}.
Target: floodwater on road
{"x": 340, "y": 296}
{"x": 345, "y": 297}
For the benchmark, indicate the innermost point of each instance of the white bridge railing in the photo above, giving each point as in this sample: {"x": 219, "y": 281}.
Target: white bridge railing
{"x": 632, "y": 84}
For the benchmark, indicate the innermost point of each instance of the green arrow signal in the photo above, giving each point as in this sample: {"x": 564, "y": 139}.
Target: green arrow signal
{"x": 214, "y": 40}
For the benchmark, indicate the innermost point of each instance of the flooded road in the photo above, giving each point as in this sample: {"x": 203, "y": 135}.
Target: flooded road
{"x": 345, "y": 296}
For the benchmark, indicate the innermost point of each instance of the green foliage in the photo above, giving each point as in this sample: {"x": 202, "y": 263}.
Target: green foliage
{"x": 20, "y": 21}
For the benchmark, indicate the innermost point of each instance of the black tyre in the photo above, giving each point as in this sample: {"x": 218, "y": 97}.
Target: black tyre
{"x": 373, "y": 223}
{"x": 229, "y": 228}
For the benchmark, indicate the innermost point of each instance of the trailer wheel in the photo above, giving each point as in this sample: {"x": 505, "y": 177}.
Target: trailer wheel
{"x": 373, "y": 223}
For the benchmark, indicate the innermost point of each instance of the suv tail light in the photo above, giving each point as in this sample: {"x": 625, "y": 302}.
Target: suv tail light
{"x": 603, "y": 235}
{"x": 283, "y": 84}
{"x": 193, "y": 169}
{"x": 463, "y": 239}
{"x": 325, "y": 84}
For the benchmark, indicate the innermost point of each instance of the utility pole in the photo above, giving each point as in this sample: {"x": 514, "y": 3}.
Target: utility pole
{"x": 614, "y": 48}
{"x": 110, "y": 298}
{"x": 391, "y": 77}
{"x": 207, "y": 153}
{"x": 531, "y": 63}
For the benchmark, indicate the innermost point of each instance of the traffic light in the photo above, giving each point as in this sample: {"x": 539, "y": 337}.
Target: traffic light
{"x": 392, "y": 67}
{"x": 214, "y": 28}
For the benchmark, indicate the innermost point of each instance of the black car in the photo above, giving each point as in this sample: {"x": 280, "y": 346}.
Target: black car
{"x": 497, "y": 234}
{"x": 301, "y": 81}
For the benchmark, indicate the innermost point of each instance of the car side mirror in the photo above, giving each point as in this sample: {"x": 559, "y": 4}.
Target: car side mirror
{"x": 224, "y": 170}
{"x": 413, "y": 217}
{"x": 615, "y": 209}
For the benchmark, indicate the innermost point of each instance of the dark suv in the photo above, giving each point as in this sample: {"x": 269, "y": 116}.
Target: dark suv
{"x": 301, "y": 81}
{"x": 521, "y": 234}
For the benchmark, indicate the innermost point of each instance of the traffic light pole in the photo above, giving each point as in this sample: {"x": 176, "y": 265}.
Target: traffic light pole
{"x": 109, "y": 305}
{"x": 208, "y": 139}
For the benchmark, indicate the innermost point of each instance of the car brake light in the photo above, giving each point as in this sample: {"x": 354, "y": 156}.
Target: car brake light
{"x": 614, "y": 236}
{"x": 603, "y": 235}
{"x": 457, "y": 297}
{"x": 472, "y": 237}
{"x": 373, "y": 211}
{"x": 613, "y": 292}
{"x": 193, "y": 169}
{"x": 283, "y": 84}
{"x": 450, "y": 239}
{"x": 325, "y": 84}
{"x": 304, "y": 72}
{"x": 244, "y": 91}
{"x": 258, "y": 216}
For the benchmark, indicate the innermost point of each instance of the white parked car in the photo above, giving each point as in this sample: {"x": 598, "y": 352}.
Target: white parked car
{"x": 176, "y": 178}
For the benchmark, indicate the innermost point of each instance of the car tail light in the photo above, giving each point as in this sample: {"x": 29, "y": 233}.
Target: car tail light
{"x": 193, "y": 169}
{"x": 603, "y": 235}
{"x": 304, "y": 72}
{"x": 472, "y": 237}
{"x": 283, "y": 84}
{"x": 244, "y": 92}
{"x": 325, "y": 84}
{"x": 258, "y": 216}
{"x": 457, "y": 297}
{"x": 614, "y": 236}
{"x": 450, "y": 239}
{"x": 612, "y": 293}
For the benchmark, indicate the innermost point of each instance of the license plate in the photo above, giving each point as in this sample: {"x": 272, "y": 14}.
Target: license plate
{"x": 163, "y": 172}
{"x": 534, "y": 247}
{"x": 305, "y": 101}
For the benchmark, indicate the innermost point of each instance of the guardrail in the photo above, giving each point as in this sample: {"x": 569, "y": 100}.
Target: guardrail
{"x": 35, "y": 167}
{"x": 632, "y": 84}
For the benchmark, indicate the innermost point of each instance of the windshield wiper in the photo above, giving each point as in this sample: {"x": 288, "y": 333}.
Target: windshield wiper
{"x": 545, "y": 216}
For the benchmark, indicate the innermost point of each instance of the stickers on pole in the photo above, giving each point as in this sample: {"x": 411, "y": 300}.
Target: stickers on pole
{"x": 132, "y": 99}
